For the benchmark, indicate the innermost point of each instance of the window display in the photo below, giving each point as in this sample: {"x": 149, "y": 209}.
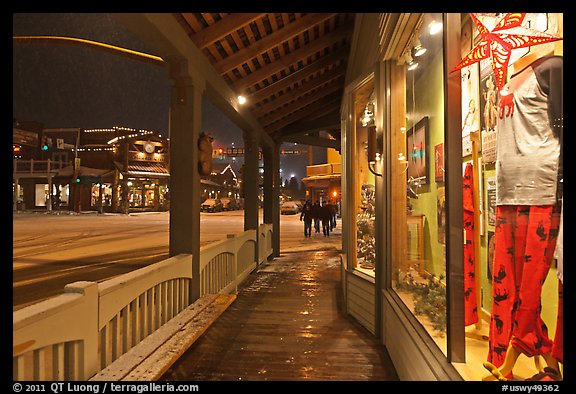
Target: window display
{"x": 470, "y": 235}
{"x": 363, "y": 183}
{"x": 419, "y": 262}
{"x": 519, "y": 162}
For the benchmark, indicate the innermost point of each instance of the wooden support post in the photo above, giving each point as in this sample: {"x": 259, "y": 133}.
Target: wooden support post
{"x": 476, "y": 176}
{"x": 185, "y": 124}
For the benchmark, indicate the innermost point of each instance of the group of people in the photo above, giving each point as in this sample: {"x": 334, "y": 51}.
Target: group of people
{"x": 319, "y": 213}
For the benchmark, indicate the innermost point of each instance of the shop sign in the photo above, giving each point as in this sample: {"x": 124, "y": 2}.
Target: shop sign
{"x": 141, "y": 156}
{"x": 23, "y": 137}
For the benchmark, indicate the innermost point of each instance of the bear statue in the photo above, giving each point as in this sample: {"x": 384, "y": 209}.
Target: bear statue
{"x": 205, "y": 153}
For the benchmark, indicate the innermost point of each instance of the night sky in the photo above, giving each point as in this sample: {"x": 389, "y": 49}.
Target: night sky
{"x": 72, "y": 86}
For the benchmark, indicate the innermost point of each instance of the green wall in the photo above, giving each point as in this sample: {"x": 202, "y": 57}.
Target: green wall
{"x": 429, "y": 101}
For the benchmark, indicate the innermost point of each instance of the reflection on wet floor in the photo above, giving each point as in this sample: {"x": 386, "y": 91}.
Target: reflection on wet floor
{"x": 287, "y": 324}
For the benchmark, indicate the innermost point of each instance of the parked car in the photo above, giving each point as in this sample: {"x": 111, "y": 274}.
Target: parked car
{"x": 212, "y": 205}
{"x": 289, "y": 208}
{"x": 230, "y": 204}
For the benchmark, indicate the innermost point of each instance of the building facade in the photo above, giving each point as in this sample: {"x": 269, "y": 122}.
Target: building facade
{"x": 422, "y": 182}
{"x": 115, "y": 169}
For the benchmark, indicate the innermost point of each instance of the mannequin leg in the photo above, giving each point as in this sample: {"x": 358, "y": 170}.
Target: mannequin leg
{"x": 512, "y": 355}
{"x": 538, "y": 363}
{"x": 552, "y": 362}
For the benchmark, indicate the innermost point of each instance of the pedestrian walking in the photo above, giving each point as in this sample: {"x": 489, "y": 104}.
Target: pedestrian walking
{"x": 326, "y": 217}
{"x": 334, "y": 214}
{"x": 306, "y": 216}
{"x": 332, "y": 210}
{"x": 316, "y": 215}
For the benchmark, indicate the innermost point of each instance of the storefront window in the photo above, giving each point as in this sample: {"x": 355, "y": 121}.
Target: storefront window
{"x": 106, "y": 195}
{"x": 150, "y": 195}
{"x": 135, "y": 194}
{"x": 163, "y": 197}
{"x": 512, "y": 137}
{"x": 363, "y": 182}
{"x": 418, "y": 217}
{"x": 41, "y": 194}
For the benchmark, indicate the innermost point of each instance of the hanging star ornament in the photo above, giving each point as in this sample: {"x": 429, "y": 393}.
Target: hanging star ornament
{"x": 499, "y": 36}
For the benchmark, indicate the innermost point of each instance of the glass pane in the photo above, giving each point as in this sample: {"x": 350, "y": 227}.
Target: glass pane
{"x": 511, "y": 181}
{"x": 363, "y": 182}
{"x": 41, "y": 194}
{"x": 419, "y": 255}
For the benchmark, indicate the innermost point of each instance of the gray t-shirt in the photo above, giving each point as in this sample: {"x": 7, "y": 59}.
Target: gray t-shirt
{"x": 528, "y": 140}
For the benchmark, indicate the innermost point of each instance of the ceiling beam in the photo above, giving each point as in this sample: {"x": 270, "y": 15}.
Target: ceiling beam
{"x": 327, "y": 122}
{"x": 314, "y": 141}
{"x": 300, "y": 91}
{"x": 286, "y": 61}
{"x": 270, "y": 41}
{"x": 170, "y": 41}
{"x": 298, "y": 75}
{"x": 222, "y": 28}
{"x": 318, "y": 94}
{"x": 306, "y": 111}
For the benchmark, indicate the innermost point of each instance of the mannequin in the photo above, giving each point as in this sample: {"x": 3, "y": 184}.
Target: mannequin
{"x": 524, "y": 62}
{"x": 528, "y": 202}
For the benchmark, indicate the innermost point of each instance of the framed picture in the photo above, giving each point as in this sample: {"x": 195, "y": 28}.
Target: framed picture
{"x": 488, "y": 98}
{"x": 439, "y": 162}
{"x": 417, "y": 151}
{"x": 441, "y": 214}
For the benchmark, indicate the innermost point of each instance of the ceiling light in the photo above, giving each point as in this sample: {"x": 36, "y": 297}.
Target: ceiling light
{"x": 241, "y": 100}
{"x": 419, "y": 50}
{"x": 410, "y": 62}
{"x": 367, "y": 117}
{"x": 434, "y": 27}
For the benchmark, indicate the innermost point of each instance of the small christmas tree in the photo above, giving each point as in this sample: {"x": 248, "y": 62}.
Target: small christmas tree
{"x": 429, "y": 298}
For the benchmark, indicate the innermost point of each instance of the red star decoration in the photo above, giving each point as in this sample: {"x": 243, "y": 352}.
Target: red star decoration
{"x": 498, "y": 37}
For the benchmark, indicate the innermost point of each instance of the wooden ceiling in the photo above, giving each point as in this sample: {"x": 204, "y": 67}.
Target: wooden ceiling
{"x": 290, "y": 66}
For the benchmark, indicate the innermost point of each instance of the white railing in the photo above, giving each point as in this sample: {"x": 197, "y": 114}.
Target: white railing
{"x": 324, "y": 169}
{"x": 134, "y": 305}
{"x": 74, "y": 335}
{"x": 31, "y": 167}
{"x": 225, "y": 264}
{"x": 264, "y": 242}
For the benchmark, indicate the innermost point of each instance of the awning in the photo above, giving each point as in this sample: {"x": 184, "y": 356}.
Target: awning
{"x": 143, "y": 170}
{"x": 209, "y": 182}
{"x": 68, "y": 172}
{"x": 156, "y": 170}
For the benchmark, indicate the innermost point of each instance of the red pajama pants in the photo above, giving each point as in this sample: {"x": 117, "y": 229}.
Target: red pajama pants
{"x": 470, "y": 304}
{"x": 525, "y": 240}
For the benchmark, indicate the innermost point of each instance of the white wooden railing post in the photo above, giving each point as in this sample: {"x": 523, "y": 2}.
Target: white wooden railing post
{"x": 89, "y": 319}
{"x": 234, "y": 260}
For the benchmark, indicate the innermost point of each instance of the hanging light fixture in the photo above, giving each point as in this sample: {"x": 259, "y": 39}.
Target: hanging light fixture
{"x": 419, "y": 50}
{"x": 410, "y": 61}
{"x": 367, "y": 117}
{"x": 367, "y": 120}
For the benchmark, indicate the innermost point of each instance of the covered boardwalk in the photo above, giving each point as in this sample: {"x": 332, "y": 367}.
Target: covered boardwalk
{"x": 288, "y": 323}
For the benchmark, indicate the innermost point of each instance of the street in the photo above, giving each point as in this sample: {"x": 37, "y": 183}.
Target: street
{"x": 50, "y": 251}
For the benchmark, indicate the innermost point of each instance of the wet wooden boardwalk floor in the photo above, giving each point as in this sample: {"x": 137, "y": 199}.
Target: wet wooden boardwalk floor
{"x": 287, "y": 324}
